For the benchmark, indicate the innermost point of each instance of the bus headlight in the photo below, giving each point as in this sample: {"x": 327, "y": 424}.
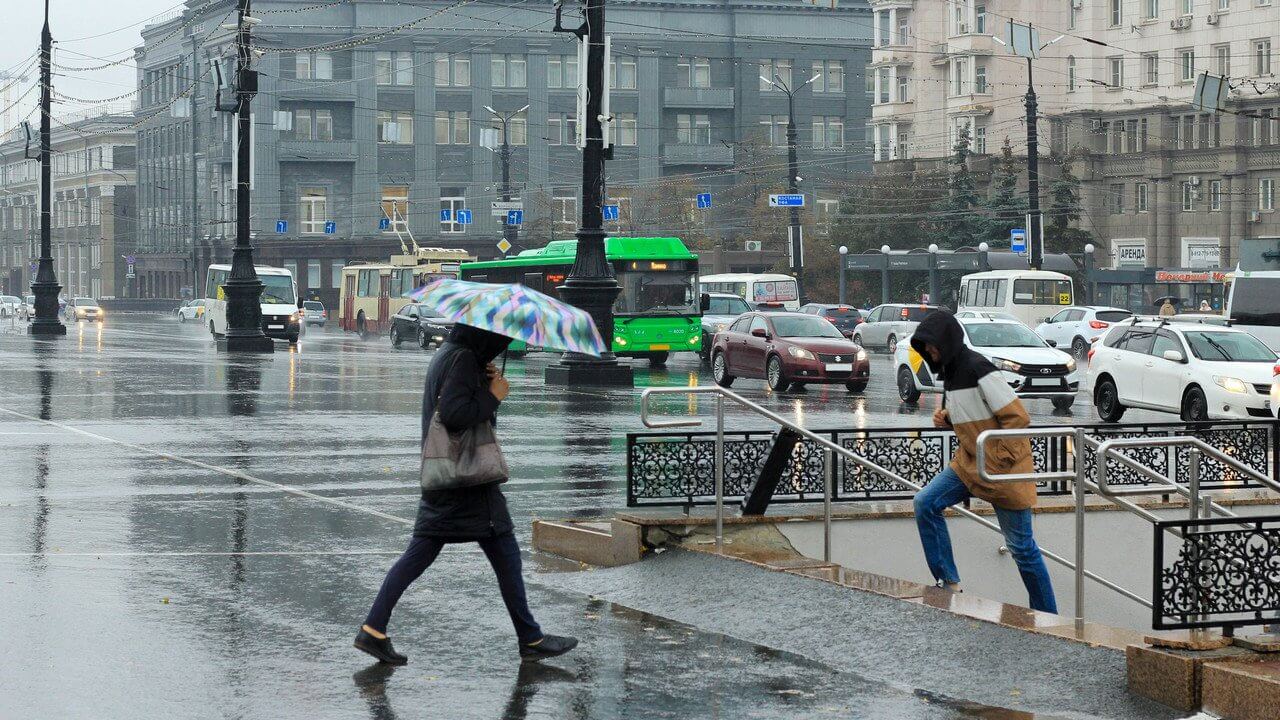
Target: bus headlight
{"x": 695, "y": 339}
{"x": 799, "y": 352}
{"x": 618, "y": 340}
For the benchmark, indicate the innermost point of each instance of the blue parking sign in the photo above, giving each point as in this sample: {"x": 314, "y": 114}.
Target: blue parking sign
{"x": 384, "y": 224}
{"x": 610, "y": 212}
{"x": 704, "y": 200}
{"x": 282, "y": 226}
{"x": 330, "y": 227}
{"x": 464, "y": 217}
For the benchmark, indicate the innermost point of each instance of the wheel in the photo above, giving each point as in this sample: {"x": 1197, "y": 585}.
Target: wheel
{"x": 293, "y": 339}
{"x": 1063, "y": 403}
{"x": 658, "y": 359}
{"x": 395, "y": 336}
{"x": 212, "y": 331}
{"x": 705, "y": 353}
{"x": 720, "y": 370}
{"x": 1107, "y": 400}
{"x": 773, "y": 375}
{"x": 1195, "y": 408}
{"x": 423, "y": 341}
{"x": 892, "y": 344}
{"x": 907, "y": 389}
{"x": 856, "y": 387}
{"x": 1079, "y": 347}
{"x": 182, "y": 318}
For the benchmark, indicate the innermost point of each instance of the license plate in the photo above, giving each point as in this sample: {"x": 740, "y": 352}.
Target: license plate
{"x": 839, "y": 367}
{"x": 275, "y": 327}
{"x": 1043, "y": 382}
{"x": 656, "y": 346}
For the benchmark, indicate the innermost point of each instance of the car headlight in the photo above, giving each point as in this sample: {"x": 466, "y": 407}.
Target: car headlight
{"x": 720, "y": 327}
{"x": 862, "y": 355}
{"x": 1231, "y": 384}
{"x": 1071, "y": 364}
{"x": 1006, "y": 365}
{"x": 799, "y": 352}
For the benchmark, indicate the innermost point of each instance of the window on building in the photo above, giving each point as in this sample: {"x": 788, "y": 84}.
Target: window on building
{"x": 395, "y": 127}
{"x": 775, "y": 129}
{"x": 622, "y": 131}
{"x": 393, "y": 68}
{"x": 1116, "y": 67}
{"x": 312, "y": 124}
{"x": 828, "y": 132}
{"x": 883, "y": 85}
{"x": 830, "y": 74}
{"x": 773, "y": 70}
{"x": 1150, "y": 9}
{"x": 562, "y": 129}
{"x": 1071, "y": 73}
{"x": 980, "y": 78}
{"x": 452, "y": 199}
{"x": 904, "y": 87}
{"x": 1131, "y": 136}
{"x": 395, "y": 207}
{"x": 453, "y": 127}
{"x": 960, "y": 76}
{"x": 1267, "y": 194}
{"x": 564, "y": 209}
{"x": 980, "y": 19}
{"x": 313, "y": 274}
{"x": 1073, "y": 13}
{"x": 335, "y": 272}
{"x": 1115, "y": 199}
{"x": 883, "y": 25}
{"x": 1215, "y": 195}
{"x": 693, "y": 72}
{"x": 313, "y": 209}
{"x": 1187, "y": 65}
{"x": 693, "y": 129}
{"x": 1188, "y": 196}
{"x": 1262, "y": 56}
{"x": 1185, "y": 7}
{"x": 904, "y": 26}
{"x": 624, "y": 73}
{"x": 519, "y": 127}
{"x": 1224, "y": 5}
{"x": 562, "y": 72}
{"x": 452, "y": 70}
{"x": 1117, "y": 12}
{"x": 1140, "y": 197}
{"x": 508, "y": 71}
{"x": 980, "y": 139}
{"x": 1150, "y": 69}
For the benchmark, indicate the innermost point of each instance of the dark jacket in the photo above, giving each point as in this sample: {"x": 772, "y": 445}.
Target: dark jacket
{"x": 457, "y": 376}
{"x": 978, "y": 398}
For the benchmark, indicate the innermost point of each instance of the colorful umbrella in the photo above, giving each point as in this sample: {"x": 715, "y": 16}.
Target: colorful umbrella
{"x": 515, "y": 311}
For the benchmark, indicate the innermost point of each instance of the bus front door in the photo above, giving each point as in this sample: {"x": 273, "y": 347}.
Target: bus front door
{"x": 384, "y": 302}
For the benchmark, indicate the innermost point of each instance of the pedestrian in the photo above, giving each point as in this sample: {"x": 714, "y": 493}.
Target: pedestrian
{"x": 1205, "y": 307}
{"x": 977, "y": 398}
{"x": 1167, "y": 309}
{"x": 466, "y": 388}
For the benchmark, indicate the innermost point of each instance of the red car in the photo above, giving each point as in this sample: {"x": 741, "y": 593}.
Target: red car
{"x": 788, "y": 350}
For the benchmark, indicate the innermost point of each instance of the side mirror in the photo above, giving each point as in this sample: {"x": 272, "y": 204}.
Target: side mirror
{"x": 1173, "y": 356}
{"x": 760, "y": 333}
{"x": 1046, "y": 320}
{"x": 1051, "y": 343}
{"x": 704, "y": 302}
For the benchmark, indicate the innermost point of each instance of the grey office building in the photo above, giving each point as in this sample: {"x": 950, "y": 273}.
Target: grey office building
{"x": 370, "y": 118}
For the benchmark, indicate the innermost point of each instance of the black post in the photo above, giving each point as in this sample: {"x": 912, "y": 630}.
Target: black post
{"x": 591, "y": 284}
{"x": 1034, "y": 238}
{"x": 46, "y": 287}
{"x": 243, "y": 288}
{"x": 509, "y": 229}
{"x": 795, "y": 241}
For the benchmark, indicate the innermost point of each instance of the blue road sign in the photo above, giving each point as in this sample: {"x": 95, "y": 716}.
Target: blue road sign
{"x": 786, "y": 200}
{"x": 704, "y": 200}
{"x": 515, "y": 217}
{"x": 610, "y": 212}
{"x": 446, "y": 216}
{"x": 330, "y": 227}
{"x": 384, "y": 224}
{"x": 464, "y": 217}
{"x": 282, "y": 226}
{"x": 1018, "y": 240}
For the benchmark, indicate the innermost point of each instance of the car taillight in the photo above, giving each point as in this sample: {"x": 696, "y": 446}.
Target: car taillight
{"x": 1091, "y": 352}
{"x": 324, "y": 313}
{"x": 1276, "y": 370}
{"x": 1098, "y": 324}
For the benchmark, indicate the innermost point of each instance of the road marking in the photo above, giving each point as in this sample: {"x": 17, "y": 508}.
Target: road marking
{"x": 202, "y": 554}
{"x": 215, "y": 468}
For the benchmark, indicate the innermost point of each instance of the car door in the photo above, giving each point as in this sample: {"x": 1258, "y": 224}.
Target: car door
{"x": 754, "y": 348}
{"x": 1162, "y": 380}
{"x": 1052, "y": 329}
{"x": 872, "y": 330}
{"x": 406, "y": 321}
{"x": 735, "y": 343}
{"x": 1133, "y": 353}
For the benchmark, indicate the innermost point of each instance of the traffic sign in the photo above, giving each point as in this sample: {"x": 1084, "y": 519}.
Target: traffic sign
{"x": 776, "y": 200}
{"x": 464, "y": 217}
{"x": 384, "y": 223}
{"x": 704, "y": 200}
{"x": 610, "y": 212}
{"x": 499, "y": 208}
{"x": 282, "y": 226}
{"x": 446, "y": 216}
{"x": 1018, "y": 240}
{"x": 330, "y": 227}
{"x": 515, "y": 217}
{"x": 503, "y": 246}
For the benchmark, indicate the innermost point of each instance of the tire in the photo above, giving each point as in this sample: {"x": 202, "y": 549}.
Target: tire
{"x": 212, "y": 331}
{"x": 658, "y": 359}
{"x": 773, "y": 375}
{"x": 1063, "y": 403}
{"x": 856, "y": 387}
{"x": 720, "y": 370}
{"x": 1079, "y": 348}
{"x": 293, "y": 339}
{"x": 423, "y": 341}
{"x": 1107, "y": 401}
{"x": 891, "y": 344}
{"x": 705, "y": 353}
{"x": 395, "y": 336}
{"x": 907, "y": 390}
{"x": 182, "y": 318}
{"x": 1195, "y": 407}
{"x": 857, "y": 339}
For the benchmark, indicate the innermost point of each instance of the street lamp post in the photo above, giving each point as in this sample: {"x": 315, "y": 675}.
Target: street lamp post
{"x": 795, "y": 235}
{"x": 884, "y": 275}
{"x": 46, "y": 287}
{"x": 844, "y": 250}
{"x": 1090, "y": 286}
{"x": 509, "y": 230}
{"x": 935, "y": 290}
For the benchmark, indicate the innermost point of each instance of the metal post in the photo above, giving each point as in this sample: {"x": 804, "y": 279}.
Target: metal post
{"x": 508, "y": 229}
{"x": 719, "y": 472}
{"x": 46, "y": 287}
{"x": 1036, "y": 248}
{"x": 884, "y": 285}
{"x": 844, "y": 253}
{"x": 1078, "y": 489}
{"x": 795, "y": 237}
{"x": 826, "y": 505}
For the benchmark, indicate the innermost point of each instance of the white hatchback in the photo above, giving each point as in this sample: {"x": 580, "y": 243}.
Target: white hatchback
{"x": 1079, "y": 326}
{"x": 1200, "y": 372}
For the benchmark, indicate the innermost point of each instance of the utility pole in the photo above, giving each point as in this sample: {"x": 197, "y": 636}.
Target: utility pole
{"x": 591, "y": 284}
{"x": 795, "y": 233}
{"x": 509, "y": 230}
{"x": 1035, "y": 224}
{"x": 46, "y": 287}
{"x": 243, "y": 288}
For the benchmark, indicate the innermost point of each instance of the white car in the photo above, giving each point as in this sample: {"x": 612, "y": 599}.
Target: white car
{"x": 1029, "y": 365}
{"x": 1200, "y": 372}
{"x": 1079, "y": 326}
{"x": 885, "y": 325}
{"x": 193, "y": 310}
{"x": 10, "y": 306}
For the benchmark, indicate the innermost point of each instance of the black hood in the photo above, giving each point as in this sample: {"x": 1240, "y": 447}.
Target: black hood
{"x": 941, "y": 330}
{"x": 484, "y": 344}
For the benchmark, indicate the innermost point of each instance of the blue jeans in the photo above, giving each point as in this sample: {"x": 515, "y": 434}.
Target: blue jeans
{"x": 946, "y": 490}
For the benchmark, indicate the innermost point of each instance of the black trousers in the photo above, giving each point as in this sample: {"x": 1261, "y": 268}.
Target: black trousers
{"x": 504, "y": 555}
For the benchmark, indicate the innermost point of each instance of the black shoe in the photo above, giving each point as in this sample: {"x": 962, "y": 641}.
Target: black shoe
{"x": 379, "y": 648}
{"x": 548, "y": 647}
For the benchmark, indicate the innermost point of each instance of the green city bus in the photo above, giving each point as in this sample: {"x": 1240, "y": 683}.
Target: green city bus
{"x": 657, "y": 312}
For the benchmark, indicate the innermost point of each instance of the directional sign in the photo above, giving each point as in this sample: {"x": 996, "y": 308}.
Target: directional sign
{"x": 503, "y": 246}
{"x": 464, "y": 217}
{"x": 330, "y": 227}
{"x": 1018, "y": 240}
{"x": 282, "y": 226}
{"x": 515, "y": 217}
{"x": 384, "y": 223}
{"x": 127, "y": 258}
{"x": 446, "y": 216}
{"x": 610, "y": 212}
{"x": 704, "y": 200}
{"x": 500, "y": 208}
{"x": 786, "y": 200}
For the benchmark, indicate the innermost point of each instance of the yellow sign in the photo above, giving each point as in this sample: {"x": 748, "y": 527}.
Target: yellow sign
{"x": 1064, "y": 298}
{"x": 222, "y": 292}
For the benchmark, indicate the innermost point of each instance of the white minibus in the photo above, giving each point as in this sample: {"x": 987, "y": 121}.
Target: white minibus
{"x": 1028, "y": 295}
{"x": 280, "y": 316}
{"x": 755, "y": 288}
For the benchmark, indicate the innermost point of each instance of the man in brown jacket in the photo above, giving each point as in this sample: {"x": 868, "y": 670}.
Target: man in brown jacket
{"x": 977, "y": 398}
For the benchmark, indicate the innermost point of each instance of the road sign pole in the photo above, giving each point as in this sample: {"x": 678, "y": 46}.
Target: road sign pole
{"x": 795, "y": 234}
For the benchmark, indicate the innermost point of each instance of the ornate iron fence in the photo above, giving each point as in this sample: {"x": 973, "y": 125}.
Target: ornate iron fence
{"x": 677, "y": 469}
{"x": 1226, "y": 574}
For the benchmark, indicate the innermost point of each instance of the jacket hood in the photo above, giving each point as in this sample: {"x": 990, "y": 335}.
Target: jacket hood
{"x": 485, "y": 345}
{"x": 941, "y": 330}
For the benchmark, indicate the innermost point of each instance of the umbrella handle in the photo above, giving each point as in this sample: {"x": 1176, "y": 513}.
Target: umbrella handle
{"x": 504, "y": 362}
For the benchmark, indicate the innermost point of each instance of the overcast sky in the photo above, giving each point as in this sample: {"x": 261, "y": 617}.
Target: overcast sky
{"x": 101, "y": 28}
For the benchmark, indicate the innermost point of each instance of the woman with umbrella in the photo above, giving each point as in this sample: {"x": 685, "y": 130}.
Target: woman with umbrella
{"x": 465, "y": 388}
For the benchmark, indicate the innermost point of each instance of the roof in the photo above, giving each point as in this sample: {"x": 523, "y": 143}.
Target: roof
{"x": 1023, "y": 273}
{"x": 732, "y": 277}
{"x": 562, "y": 252}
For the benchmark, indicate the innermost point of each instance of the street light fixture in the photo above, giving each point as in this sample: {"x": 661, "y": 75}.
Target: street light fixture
{"x": 795, "y": 235}
{"x": 509, "y": 231}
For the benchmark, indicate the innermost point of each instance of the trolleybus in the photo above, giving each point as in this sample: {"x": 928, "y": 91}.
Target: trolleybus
{"x": 370, "y": 293}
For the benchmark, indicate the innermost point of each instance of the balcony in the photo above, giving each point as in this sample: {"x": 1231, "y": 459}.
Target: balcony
{"x": 317, "y": 151}
{"x": 698, "y": 98}
{"x": 685, "y": 154}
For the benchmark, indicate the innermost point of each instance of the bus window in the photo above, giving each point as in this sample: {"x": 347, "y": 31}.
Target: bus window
{"x": 362, "y": 284}
{"x": 1253, "y": 301}
{"x": 402, "y": 282}
{"x": 1042, "y": 292}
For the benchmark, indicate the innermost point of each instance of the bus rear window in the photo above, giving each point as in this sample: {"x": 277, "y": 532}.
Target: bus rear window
{"x": 1042, "y": 292}
{"x": 774, "y": 291}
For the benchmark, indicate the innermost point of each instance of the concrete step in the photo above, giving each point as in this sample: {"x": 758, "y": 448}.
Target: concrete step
{"x": 1242, "y": 689}
{"x": 594, "y": 542}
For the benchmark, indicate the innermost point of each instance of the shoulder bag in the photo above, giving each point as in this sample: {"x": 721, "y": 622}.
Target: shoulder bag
{"x": 469, "y": 458}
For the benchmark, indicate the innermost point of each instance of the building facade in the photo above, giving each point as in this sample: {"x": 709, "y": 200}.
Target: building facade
{"x": 93, "y": 211}
{"x": 372, "y": 119}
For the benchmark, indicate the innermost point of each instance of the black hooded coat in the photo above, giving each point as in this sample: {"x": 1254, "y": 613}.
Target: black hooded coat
{"x": 457, "y": 377}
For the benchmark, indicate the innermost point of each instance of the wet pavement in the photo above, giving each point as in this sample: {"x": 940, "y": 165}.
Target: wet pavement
{"x": 187, "y": 535}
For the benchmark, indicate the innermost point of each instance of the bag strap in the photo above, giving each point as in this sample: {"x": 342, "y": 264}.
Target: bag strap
{"x": 452, "y": 365}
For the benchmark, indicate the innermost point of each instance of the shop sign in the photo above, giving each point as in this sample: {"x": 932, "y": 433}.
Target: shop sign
{"x": 1198, "y": 254}
{"x": 1130, "y": 254}
{"x": 1190, "y": 276}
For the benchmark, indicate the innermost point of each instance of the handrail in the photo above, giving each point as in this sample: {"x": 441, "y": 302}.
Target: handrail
{"x": 1107, "y": 449}
{"x": 835, "y": 448}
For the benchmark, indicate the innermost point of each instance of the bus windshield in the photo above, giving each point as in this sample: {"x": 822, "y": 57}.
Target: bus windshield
{"x": 656, "y": 293}
{"x": 1253, "y": 301}
{"x": 277, "y": 290}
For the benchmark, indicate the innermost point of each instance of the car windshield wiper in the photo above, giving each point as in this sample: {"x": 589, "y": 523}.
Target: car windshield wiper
{"x": 1221, "y": 350}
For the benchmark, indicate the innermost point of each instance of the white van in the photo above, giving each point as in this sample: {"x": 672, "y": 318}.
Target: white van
{"x": 1028, "y": 295}
{"x": 280, "y": 316}
{"x": 755, "y": 288}
{"x": 1253, "y": 304}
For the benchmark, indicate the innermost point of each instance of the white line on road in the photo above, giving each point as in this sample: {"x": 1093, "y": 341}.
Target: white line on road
{"x": 200, "y": 554}
{"x": 215, "y": 468}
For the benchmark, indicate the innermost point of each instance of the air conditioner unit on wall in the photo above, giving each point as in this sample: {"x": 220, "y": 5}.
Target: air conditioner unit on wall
{"x": 752, "y": 245}
{"x": 1211, "y": 19}
{"x": 1255, "y": 216}
{"x": 1181, "y": 23}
